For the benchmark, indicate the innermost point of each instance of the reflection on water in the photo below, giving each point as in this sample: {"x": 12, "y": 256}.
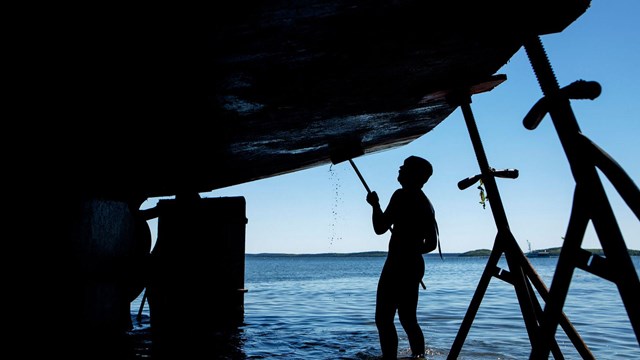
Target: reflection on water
{"x": 322, "y": 308}
{"x": 225, "y": 343}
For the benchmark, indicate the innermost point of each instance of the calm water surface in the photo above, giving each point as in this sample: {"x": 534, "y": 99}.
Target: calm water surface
{"x": 316, "y": 308}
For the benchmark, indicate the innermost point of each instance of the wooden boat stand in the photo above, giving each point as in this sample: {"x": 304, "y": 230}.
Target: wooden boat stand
{"x": 590, "y": 203}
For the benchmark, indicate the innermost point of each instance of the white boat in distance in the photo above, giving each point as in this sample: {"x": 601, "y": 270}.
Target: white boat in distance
{"x": 536, "y": 253}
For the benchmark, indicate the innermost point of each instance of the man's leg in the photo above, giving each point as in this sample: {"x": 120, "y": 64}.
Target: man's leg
{"x": 385, "y": 314}
{"x": 407, "y": 310}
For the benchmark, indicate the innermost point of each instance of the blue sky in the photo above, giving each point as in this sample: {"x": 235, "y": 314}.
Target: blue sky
{"x": 324, "y": 209}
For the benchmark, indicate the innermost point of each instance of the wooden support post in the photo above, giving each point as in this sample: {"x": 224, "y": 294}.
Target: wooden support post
{"x": 521, "y": 274}
{"x": 590, "y": 202}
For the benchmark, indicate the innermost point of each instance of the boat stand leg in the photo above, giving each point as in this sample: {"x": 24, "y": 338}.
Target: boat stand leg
{"x": 505, "y": 243}
{"x": 566, "y": 325}
{"x": 590, "y": 201}
{"x": 489, "y": 271}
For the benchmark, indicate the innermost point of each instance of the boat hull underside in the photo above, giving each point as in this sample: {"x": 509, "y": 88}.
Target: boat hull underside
{"x": 159, "y": 103}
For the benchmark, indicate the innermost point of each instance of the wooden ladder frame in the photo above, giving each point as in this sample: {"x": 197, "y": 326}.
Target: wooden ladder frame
{"x": 590, "y": 204}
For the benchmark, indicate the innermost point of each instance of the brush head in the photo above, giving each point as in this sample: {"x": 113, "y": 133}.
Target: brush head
{"x": 345, "y": 149}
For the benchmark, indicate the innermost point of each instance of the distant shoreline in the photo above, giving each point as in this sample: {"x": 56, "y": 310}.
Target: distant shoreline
{"x": 355, "y": 254}
{"x": 554, "y": 252}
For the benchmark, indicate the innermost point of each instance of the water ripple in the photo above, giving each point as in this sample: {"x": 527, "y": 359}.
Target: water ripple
{"x": 314, "y": 308}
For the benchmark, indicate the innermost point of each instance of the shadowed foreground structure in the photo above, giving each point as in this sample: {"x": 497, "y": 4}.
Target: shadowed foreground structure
{"x": 154, "y": 102}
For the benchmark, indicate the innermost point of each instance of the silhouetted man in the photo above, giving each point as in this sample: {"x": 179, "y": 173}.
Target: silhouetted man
{"x": 411, "y": 218}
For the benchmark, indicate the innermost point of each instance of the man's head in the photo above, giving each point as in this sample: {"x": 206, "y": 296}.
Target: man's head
{"x": 415, "y": 171}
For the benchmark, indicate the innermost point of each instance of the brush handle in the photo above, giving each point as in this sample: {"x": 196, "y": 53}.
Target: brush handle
{"x": 360, "y": 176}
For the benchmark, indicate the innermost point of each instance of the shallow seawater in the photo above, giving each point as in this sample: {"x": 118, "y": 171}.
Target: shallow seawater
{"x": 323, "y": 308}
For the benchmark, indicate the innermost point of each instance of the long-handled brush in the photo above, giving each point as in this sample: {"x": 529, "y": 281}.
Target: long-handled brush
{"x": 347, "y": 150}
